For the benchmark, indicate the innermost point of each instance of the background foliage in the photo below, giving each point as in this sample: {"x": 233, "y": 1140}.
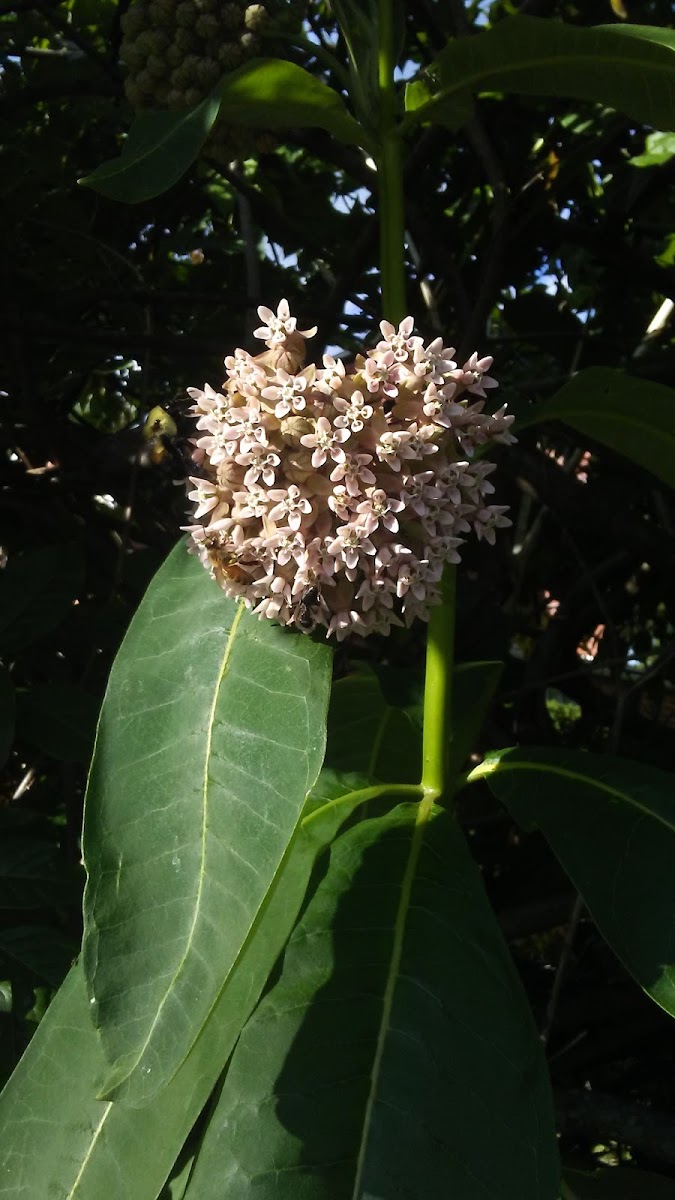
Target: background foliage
{"x": 541, "y": 231}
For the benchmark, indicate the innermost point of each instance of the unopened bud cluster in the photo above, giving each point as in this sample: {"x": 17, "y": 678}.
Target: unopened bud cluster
{"x": 176, "y": 51}
{"x": 336, "y": 499}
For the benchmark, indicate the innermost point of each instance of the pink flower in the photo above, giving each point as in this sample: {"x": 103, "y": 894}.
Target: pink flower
{"x": 379, "y": 507}
{"x": 290, "y": 505}
{"x": 353, "y": 412}
{"x": 354, "y": 471}
{"x": 278, "y": 326}
{"x": 325, "y": 441}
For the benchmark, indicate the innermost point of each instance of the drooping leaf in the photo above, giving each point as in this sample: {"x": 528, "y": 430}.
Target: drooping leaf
{"x": 611, "y": 823}
{"x": 397, "y": 1045}
{"x": 96, "y": 1142}
{"x": 628, "y": 67}
{"x": 58, "y": 718}
{"x": 633, "y": 416}
{"x": 211, "y": 734}
{"x": 7, "y": 715}
{"x": 617, "y": 1183}
{"x": 266, "y": 92}
{"x": 36, "y": 592}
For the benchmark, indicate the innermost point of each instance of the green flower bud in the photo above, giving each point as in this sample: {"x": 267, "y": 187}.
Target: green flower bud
{"x": 230, "y": 55}
{"x": 207, "y": 27}
{"x": 156, "y": 66}
{"x": 186, "y": 41}
{"x": 174, "y": 56}
{"x": 210, "y": 72}
{"x": 193, "y": 96}
{"x": 134, "y": 21}
{"x": 231, "y": 16}
{"x": 186, "y": 14}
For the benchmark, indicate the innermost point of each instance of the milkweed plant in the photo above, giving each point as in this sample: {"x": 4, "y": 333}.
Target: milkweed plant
{"x": 292, "y": 982}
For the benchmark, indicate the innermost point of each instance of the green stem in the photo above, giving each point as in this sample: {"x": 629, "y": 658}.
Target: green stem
{"x": 438, "y": 691}
{"x": 390, "y": 175}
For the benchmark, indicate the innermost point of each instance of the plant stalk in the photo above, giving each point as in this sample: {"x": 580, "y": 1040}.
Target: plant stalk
{"x": 438, "y": 691}
{"x": 390, "y": 175}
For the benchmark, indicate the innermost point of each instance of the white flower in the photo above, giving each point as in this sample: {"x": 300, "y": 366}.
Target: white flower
{"x": 290, "y": 505}
{"x": 353, "y": 470}
{"x": 353, "y": 412}
{"x": 325, "y": 441}
{"x": 279, "y": 326}
{"x": 379, "y": 507}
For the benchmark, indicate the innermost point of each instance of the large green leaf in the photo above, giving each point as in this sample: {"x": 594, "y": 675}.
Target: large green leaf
{"x": 632, "y": 416}
{"x": 628, "y": 67}
{"x": 397, "y": 1045}
{"x": 370, "y": 736}
{"x": 266, "y": 92}
{"x": 96, "y": 1148}
{"x": 211, "y": 734}
{"x": 611, "y": 822}
{"x": 615, "y": 1183}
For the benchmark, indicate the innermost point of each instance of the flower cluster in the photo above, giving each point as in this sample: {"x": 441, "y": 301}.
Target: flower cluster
{"x": 335, "y": 498}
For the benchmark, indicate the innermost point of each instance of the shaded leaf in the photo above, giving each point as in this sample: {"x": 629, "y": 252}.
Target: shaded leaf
{"x": 633, "y": 416}
{"x": 36, "y": 592}
{"x": 628, "y": 67}
{"x": 31, "y": 875}
{"x": 7, "y": 715}
{"x": 265, "y": 93}
{"x": 617, "y": 1183}
{"x": 58, "y": 718}
{"x": 369, "y": 736}
{"x": 95, "y": 1142}
{"x": 473, "y": 687}
{"x": 39, "y": 950}
{"x": 211, "y": 734}
{"x": 611, "y": 823}
{"x": 395, "y": 1047}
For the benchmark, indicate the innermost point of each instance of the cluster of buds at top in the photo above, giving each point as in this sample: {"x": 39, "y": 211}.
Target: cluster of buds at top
{"x": 336, "y": 498}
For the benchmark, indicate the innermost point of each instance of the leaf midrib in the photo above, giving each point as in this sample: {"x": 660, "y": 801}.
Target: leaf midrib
{"x": 202, "y": 861}
{"x": 578, "y": 58}
{"x": 422, "y": 815}
{"x": 495, "y": 767}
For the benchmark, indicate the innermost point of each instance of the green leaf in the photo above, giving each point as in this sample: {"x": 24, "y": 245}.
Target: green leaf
{"x": 158, "y": 150}
{"x": 95, "y": 1142}
{"x": 473, "y": 687}
{"x": 627, "y": 67}
{"x": 7, "y": 715}
{"x": 396, "y": 1046}
{"x": 211, "y": 734}
{"x": 31, "y": 875}
{"x": 611, "y": 823}
{"x": 369, "y": 736}
{"x": 616, "y": 1183}
{"x": 265, "y": 93}
{"x": 659, "y": 148}
{"x": 38, "y": 950}
{"x": 36, "y": 593}
{"x": 633, "y": 416}
{"x": 58, "y": 718}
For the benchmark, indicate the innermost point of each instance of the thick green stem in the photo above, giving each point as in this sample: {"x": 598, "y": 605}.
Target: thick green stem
{"x": 390, "y": 175}
{"x": 438, "y": 691}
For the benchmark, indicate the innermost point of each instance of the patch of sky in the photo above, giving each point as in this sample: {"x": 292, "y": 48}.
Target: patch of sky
{"x": 347, "y": 201}
{"x": 277, "y": 253}
{"x": 406, "y": 72}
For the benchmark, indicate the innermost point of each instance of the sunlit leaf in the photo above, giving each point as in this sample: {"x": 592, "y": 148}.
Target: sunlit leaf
{"x": 266, "y": 93}
{"x": 211, "y": 734}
